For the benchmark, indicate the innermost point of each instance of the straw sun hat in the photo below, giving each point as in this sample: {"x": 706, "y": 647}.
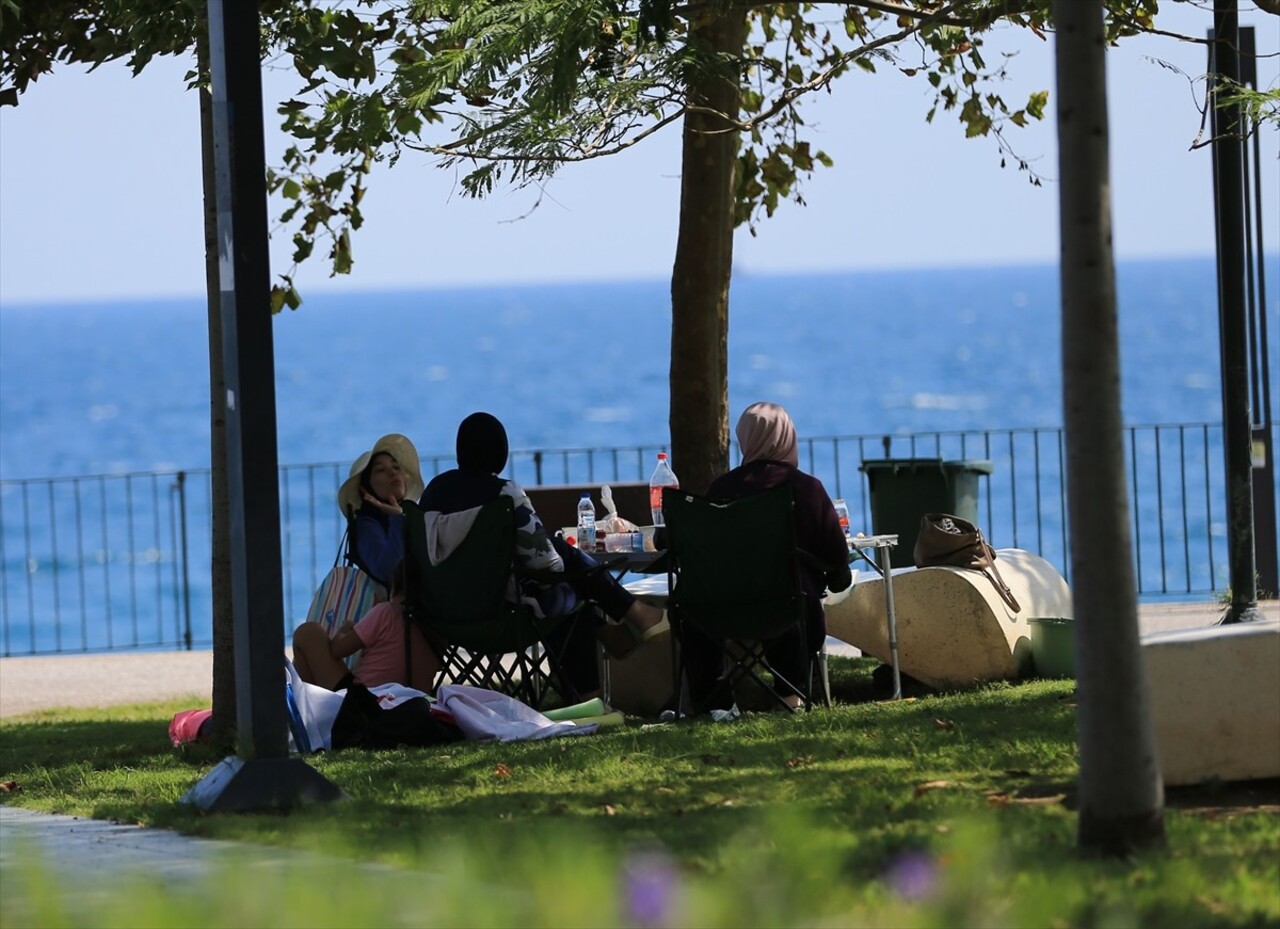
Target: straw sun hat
{"x": 398, "y": 447}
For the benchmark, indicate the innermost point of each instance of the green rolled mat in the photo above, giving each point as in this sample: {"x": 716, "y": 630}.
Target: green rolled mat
{"x": 593, "y": 707}
{"x": 615, "y": 718}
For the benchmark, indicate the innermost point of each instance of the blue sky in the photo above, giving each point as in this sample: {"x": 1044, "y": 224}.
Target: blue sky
{"x": 100, "y": 187}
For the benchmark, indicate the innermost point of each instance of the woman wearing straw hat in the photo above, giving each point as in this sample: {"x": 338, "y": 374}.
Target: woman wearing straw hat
{"x": 370, "y": 499}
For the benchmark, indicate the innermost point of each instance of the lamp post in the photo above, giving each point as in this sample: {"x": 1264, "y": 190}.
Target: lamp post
{"x": 261, "y": 776}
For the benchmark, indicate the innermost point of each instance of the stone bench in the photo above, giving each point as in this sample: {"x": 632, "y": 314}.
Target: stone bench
{"x": 1215, "y": 701}
{"x": 954, "y": 630}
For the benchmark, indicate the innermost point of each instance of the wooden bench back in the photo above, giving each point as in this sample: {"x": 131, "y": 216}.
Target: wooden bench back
{"x": 557, "y": 504}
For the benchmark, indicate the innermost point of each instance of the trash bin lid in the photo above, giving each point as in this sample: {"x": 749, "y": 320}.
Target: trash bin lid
{"x": 975, "y": 465}
{"x": 899, "y": 464}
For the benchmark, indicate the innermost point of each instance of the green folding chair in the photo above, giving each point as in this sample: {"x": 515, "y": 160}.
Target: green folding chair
{"x": 734, "y": 575}
{"x": 461, "y": 607}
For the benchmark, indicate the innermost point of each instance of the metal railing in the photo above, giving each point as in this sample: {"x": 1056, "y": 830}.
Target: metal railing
{"x": 122, "y": 561}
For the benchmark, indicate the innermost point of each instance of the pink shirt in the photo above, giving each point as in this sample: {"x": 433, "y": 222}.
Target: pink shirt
{"x": 381, "y": 631}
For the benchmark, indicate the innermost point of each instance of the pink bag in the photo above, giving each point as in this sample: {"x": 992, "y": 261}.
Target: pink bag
{"x": 191, "y": 726}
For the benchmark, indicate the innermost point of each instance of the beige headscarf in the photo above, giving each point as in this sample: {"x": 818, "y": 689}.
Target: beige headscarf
{"x": 765, "y": 431}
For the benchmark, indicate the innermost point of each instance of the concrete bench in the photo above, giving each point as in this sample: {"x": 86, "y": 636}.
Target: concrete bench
{"x": 953, "y": 628}
{"x": 1215, "y": 701}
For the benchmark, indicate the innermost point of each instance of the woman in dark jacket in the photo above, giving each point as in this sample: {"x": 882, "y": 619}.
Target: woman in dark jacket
{"x": 770, "y": 457}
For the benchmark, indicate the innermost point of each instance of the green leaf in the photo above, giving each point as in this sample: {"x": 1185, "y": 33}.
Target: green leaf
{"x": 291, "y": 189}
{"x": 408, "y": 124}
{"x": 1036, "y": 104}
{"x": 303, "y": 246}
{"x": 342, "y": 253}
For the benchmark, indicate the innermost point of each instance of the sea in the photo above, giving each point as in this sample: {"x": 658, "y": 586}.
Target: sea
{"x": 108, "y": 388}
{"x": 112, "y": 399}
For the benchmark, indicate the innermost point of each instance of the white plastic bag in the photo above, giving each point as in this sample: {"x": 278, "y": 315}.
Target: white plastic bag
{"x": 611, "y": 522}
{"x": 486, "y": 715}
{"x": 312, "y": 711}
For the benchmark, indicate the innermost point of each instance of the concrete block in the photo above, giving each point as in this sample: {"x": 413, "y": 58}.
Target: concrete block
{"x": 954, "y": 630}
{"x": 1215, "y": 701}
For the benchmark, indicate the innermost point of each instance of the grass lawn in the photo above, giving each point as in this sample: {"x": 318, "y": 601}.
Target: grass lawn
{"x": 952, "y": 810}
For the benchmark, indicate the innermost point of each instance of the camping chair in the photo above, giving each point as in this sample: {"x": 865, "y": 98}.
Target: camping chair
{"x": 461, "y": 607}
{"x": 734, "y": 576}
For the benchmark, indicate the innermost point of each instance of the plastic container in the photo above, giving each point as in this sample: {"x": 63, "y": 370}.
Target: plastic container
{"x": 624, "y": 542}
{"x": 904, "y": 489}
{"x": 663, "y": 477}
{"x": 586, "y": 524}
{"x": 1053, "y": 646}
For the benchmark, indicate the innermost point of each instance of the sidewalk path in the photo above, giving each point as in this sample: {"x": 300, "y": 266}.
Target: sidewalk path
{"x": 115, "y": 679}
{"x": 108, "y": 679}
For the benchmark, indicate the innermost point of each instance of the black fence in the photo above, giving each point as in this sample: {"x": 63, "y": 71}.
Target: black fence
{"x": 122, "y": 561}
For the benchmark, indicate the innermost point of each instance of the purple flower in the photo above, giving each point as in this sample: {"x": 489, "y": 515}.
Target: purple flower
{"x": 652, "y": 885}
{"x": 913, "y": 876}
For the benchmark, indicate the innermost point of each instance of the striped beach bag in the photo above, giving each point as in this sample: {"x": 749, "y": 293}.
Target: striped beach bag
{"x": 345, "y": 595}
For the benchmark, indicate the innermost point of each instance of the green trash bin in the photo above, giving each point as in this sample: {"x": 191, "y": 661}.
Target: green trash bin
{"x": 904, "y": 489}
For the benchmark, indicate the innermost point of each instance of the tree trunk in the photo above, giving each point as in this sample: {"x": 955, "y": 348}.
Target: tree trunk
{"x": 224, "y": 670}
{"x": 699, "y": 416}
{"x": 1121, "y": 797}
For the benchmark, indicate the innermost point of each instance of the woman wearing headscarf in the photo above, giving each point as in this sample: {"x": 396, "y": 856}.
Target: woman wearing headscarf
{"x": 770, "y": 458}
{"x": 370, "y": 498}
{"x": 451, "y": 502}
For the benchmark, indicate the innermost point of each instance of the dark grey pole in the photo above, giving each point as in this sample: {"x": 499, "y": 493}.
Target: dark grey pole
{"x": 249, "y": 371}
{"x": 262, "y": 776}
{"x": 1228, "y": 169}
{"x": 1266, "y": 563}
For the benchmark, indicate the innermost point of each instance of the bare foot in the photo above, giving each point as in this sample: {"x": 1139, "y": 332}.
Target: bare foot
{"x": 644, "y": 616}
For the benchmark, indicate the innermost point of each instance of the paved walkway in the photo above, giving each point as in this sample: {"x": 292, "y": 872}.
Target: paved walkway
{"x": 115, "y": 679}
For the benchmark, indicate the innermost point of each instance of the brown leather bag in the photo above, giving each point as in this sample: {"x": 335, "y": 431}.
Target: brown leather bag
{"x": 952, "y": 541}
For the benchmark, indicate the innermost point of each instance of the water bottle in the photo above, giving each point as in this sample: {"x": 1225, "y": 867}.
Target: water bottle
{"x": 586, "y": 524}
{"x": 842, "y": 513}
{"x": 663, "y": 476}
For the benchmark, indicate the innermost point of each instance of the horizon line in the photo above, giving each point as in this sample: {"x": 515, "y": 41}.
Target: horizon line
{"x": 349, "y": 288}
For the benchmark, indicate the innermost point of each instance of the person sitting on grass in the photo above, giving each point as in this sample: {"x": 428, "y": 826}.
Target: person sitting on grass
{"x": 381, "y": 634}
{"x": 482, "y": 453}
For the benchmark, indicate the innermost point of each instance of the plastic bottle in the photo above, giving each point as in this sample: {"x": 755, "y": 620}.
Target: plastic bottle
{"x": 842, "y": 513}
{"x": 663, "y": 477}
{"x": 586, "y": 524}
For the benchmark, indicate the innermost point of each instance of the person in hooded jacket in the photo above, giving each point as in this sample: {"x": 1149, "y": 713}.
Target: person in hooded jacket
{"x": 449, "y": 503}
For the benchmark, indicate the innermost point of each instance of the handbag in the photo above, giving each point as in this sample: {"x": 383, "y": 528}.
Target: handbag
{"x": 947, "y": 540}
{"x": 345, "y": 595}
{"x": 365, "y": 720}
